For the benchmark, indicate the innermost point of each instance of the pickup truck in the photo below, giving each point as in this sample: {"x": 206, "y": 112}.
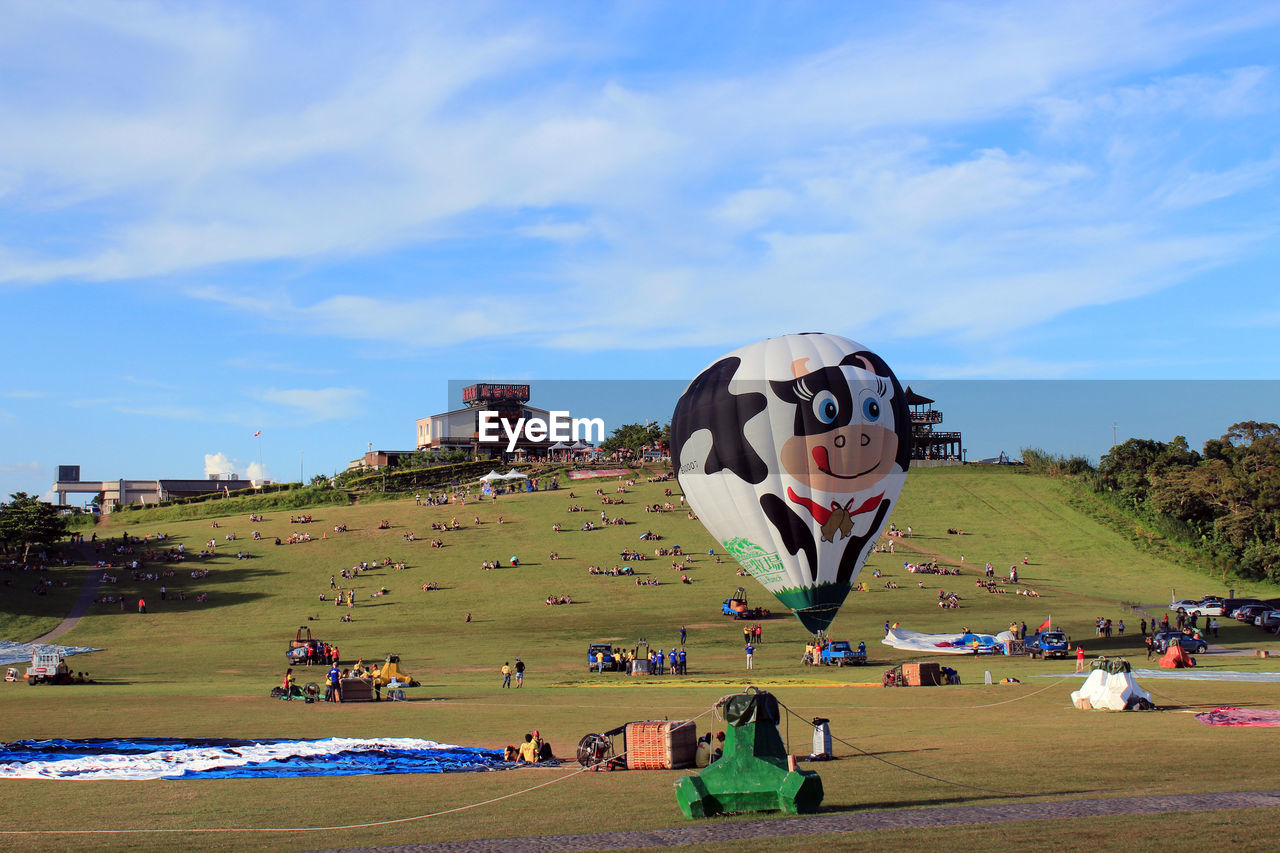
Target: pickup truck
{"x": 610, "y": 663}
{"x": 840, "y": 653}
{"x": 48, "y": 667}
{"x": 1048, "y": 644}
{"x": 736, "y": 606}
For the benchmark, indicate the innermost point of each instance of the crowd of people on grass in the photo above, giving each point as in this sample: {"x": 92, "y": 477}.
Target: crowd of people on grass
{"x": 616, "y": 571}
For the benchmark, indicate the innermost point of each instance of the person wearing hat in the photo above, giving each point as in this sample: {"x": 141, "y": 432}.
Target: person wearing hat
{"x": 544, "y": 748}
{"x": 519, "y": 673}
{"x": 506, "y": 674}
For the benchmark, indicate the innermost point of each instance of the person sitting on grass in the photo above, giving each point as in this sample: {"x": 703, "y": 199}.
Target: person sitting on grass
{"x": 528, "y": 752}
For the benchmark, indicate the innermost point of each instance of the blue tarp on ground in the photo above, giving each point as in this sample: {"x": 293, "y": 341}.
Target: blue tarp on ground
{"x": 226, "y": 758}
{"x": 13, "y": 652}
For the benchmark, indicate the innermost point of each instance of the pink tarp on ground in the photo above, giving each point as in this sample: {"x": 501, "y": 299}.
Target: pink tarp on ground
{"x": 598, "y": 472}
{"x": 1229, "y": 716}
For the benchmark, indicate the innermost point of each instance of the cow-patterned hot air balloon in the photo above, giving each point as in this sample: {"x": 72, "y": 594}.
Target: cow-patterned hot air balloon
{"x": 793, "y": 452}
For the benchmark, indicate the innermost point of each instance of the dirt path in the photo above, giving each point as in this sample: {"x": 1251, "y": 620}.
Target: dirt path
{"x": 869, "y": 821}
{"x": 87, "y": 594}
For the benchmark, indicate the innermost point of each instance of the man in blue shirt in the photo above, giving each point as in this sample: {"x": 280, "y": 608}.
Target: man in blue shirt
{"x": 334, "y": 693}
{"x": 750, "y": 650}
{"x": 682, "y": 662}
{"x": 673, "y": 659}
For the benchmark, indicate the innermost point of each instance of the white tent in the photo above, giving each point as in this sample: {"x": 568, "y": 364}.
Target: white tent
{"x": 491, "y": 476}
{"x": 1108, "y": 691}
{"x": 558, "y": 446}
{"x": 514, "y": 475}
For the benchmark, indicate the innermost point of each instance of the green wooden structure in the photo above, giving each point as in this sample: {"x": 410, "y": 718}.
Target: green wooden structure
{"x": 752, "y": 775}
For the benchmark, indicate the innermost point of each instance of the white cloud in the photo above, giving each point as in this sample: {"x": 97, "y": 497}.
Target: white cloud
{"x": 859, "y": 185}
{"x": 317, "y": 404}
{"x": 219, "y": 463}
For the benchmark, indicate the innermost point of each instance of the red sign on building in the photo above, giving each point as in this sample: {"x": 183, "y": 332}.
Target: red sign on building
{"x": 489, "y": 393}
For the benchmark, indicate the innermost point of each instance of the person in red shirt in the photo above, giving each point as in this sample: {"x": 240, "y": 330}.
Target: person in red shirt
{"x": 1079, "y": 658}
{"x": 142, "y": 605}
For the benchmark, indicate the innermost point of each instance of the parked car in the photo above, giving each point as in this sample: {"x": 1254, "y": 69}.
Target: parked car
{"x": 1211, "y": 606}
{"x": 1268, "y": 620}
{"x": 1249, "y": 612}
{"x": 1048, "y": 644}
{"x": 840, "y": 652}
{"x": 48, "y": 667}
{"x": 610, "y": 663}
{"x": 1188, "y": 642}
{"x": 1231, "y": 605}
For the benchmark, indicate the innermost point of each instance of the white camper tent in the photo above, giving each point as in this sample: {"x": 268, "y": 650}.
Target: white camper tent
{"x": 1109, "y": 691}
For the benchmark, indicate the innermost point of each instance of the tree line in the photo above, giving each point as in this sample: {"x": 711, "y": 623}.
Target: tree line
{"x": 1225, "y": 498}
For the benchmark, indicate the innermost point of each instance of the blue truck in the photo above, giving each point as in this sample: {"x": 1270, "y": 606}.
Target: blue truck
{"x": 1048, "y": 644}
{"x": 841, "y": 653}
{"x": 610, "y": 663}
{"x": 737, "y": 607}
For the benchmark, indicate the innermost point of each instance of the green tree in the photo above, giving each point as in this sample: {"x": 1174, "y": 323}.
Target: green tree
{"x": 27, "y": 521}
{"x": 629, "y": 438}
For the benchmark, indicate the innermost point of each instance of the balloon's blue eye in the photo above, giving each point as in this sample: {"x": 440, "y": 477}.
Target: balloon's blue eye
{"x": 871, "y": 409}
{"x": 825, "y": 407}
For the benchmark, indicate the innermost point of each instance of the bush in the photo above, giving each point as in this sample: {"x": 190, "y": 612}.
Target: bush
{"x": 1260, "y": 561}
{"x": 1055, "y": 465}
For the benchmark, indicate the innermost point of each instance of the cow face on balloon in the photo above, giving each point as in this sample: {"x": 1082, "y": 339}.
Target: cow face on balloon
{"x": 820, "y": 443}
{"x": 850, "y": 433}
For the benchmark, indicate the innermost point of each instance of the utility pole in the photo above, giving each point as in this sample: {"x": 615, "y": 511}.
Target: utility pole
{"x": 1113, "y": 433}
{"x": 302, "y": 481}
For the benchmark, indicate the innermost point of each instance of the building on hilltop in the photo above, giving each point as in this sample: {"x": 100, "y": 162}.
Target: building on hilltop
{"x": 460, "y": 428}
{"x": 379, "y": 459}
{"x": 928, "y": 442}
{"x": 125, "y": 492}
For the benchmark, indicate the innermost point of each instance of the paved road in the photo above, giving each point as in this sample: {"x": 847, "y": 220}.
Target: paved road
{"x": 87, "y": 594}
{"x": 870, "y": 821}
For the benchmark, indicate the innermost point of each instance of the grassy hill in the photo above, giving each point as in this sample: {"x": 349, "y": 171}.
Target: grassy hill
{"x": 189, "y": 668}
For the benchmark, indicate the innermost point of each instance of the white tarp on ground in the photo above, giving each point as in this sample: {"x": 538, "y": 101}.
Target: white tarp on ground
{"x": 1108, "y": 691}
{"x": 945, "y": 644}
{"x": 12, "y": 652}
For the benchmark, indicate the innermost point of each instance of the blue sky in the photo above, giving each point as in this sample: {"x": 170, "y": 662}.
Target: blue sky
{"x": 306, "y": 218}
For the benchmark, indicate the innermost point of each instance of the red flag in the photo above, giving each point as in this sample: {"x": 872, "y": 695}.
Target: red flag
{"x": 1046, "y": 624}
{"x": 258, "y": 433}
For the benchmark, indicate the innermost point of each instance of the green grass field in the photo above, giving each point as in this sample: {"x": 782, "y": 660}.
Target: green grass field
{"x": 205, "y": 670}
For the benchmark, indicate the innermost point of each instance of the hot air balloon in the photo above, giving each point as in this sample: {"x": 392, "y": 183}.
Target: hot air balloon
{"x": 793, "y": 452}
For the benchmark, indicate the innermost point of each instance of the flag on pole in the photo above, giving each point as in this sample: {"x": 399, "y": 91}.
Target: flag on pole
{"x": 258, "y": 433}
{"x": 1046, "y": 624}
